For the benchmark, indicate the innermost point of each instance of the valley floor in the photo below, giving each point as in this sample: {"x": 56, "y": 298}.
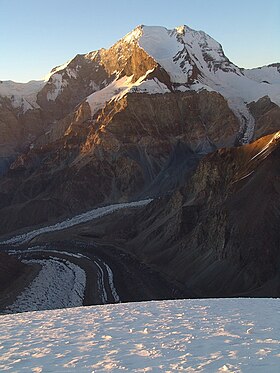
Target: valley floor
{"x": 75, "y": 273}
{"x": 210, "y": 335}
{"x": 73, "y": 270}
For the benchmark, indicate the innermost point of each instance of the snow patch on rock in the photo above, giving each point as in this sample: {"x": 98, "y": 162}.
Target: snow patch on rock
{"x": 120, "y": 87}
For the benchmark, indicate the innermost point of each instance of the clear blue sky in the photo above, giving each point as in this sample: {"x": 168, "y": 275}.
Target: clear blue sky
{"x": 36, "y": 35}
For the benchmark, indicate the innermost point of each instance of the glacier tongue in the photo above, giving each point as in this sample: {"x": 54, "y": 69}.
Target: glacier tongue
{"x": 59, "y": 284}
{"x": 247, "y": 121}
{"x": 78, "y": 219}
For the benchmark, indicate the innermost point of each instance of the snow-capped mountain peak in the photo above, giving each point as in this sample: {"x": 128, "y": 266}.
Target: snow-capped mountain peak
{"x": 154, "y": 59}
{"x": 191, "y": 60}
{"x": 180, "y": 49}
{"x": 188, "y": 60}
{"x": 57, "y": 69}
{"x": 134, "y": 35}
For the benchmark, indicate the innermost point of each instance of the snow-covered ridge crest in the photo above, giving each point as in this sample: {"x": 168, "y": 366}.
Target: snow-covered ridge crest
{"x": 179, "y": 50}
{"x": 266, "y": 74}
{"x": 134, "y": 35}
{"x": 120, "y": 87}
{"x": 57, "y": 69}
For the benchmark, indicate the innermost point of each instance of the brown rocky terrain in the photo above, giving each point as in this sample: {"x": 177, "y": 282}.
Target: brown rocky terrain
{"x": 113, "y": 157}
{"x": 64, "y": 150}
{"x": 218, "y": 235}
{"x": 17, "y": 131}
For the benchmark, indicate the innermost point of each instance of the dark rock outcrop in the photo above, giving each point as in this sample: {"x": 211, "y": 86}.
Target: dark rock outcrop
{"x": 267, "y": 117}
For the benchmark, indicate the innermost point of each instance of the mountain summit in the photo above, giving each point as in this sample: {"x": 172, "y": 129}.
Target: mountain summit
{"x": 148, "y": 170}
{"x": 131, "y": 120}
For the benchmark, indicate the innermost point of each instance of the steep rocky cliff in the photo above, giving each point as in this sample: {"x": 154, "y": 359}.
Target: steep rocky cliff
{"x": 218, "y": 235}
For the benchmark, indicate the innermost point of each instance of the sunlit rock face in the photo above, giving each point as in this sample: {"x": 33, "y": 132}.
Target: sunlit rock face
{"x": 114, "y": 124}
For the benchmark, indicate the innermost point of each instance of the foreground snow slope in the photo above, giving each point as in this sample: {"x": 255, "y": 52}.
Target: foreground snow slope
{"x": 213, "y": 335}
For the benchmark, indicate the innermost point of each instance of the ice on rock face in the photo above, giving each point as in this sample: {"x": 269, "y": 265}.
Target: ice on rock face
{"x": 56, "y": 70}
{"x": 58, "y": 83}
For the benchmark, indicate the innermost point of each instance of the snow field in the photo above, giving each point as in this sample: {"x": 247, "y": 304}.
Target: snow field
{"x": 210, "y": 335}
